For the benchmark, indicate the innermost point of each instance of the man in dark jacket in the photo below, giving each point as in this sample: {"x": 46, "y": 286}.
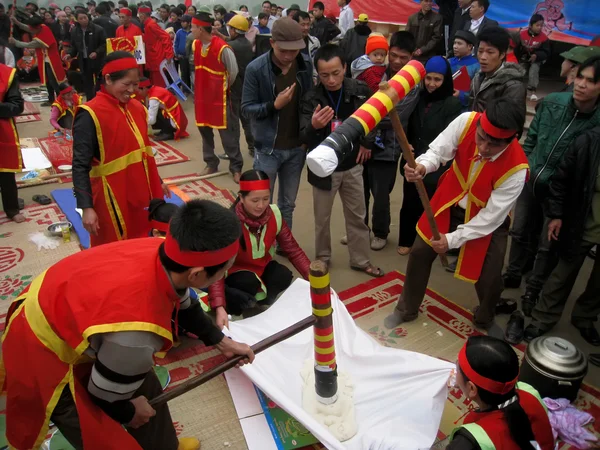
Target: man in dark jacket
{"x": 242, "y": 49}
{"x": 89, "y": 47}
{"x": 355, "y": 41}
{"x": 274, "y": 84}
{"x": 446, "y": 10}
{"x": 322, "y": 28}
{"x": 323, "y": 108}
{"x": 479, "y": 23}
{"x": 105, "y": 20}
{"x": 461, "y": 18}
{"x": 380, "y": 171}
{"x": 573, "y": 207}
{"x": 496, "y": 78}
{"x": 559, "y": 119}
{"x": 426, "y": 26}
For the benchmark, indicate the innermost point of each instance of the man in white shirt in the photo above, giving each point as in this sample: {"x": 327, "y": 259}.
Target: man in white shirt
{"x": 471, "y": 207}
{"x": 478, "y": 21}
{"x": 346, "y": 20}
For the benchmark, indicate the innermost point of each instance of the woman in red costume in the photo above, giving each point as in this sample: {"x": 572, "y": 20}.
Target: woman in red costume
{"x": 255, "y": 280}
{"x": 511, "y": 415}
{"x": 114, "y": 172}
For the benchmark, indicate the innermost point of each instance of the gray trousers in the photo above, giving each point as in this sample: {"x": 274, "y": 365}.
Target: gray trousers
{"x": 533, "y": 70}
{"x": 230, "y": 137}
{"x": 236, "y": 104}
{"x": 530, "y": 242}
{"x": 349, "y": 184}
{"x": 488, "y": 287}
{"x": 549, "y": 309}
{"x": 157, "y": 434}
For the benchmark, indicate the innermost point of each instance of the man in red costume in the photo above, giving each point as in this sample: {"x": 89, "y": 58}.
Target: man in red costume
{"x": 127, "y": 29}
{"x": 215, "y": 71}
{"x": 164, "y": 111}
{"x": 90, "y": 352}
{"x": 11, "y": 105}
{"x": 471, "y": 206}
{"x": 50, "y": 65}
{"x": 158, "y": 46}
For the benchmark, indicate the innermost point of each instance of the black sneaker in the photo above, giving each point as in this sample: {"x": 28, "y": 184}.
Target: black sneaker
{"x": 528, "y": 302}
{"x": 532, "y": 332}
{"x": 511, "y": 282}
{"x": 506, "y": 306}
{"x": 515, "y": 328}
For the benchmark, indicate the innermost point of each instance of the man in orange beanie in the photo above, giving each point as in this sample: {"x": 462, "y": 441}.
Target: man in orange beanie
{"x": 371, "y": 67}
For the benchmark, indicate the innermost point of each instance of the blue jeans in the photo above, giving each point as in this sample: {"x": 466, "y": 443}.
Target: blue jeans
{"x": 288, "y": 165}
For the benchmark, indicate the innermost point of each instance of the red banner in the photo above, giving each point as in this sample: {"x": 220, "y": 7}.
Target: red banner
{"x": 380, "y": 11}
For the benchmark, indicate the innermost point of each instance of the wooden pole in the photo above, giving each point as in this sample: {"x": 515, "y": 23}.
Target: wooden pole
{"x": 325, "y": 364}
{"x": 167, "y": 181}
{"x": 230, "y": 363}
{"x": 410, "y": 159}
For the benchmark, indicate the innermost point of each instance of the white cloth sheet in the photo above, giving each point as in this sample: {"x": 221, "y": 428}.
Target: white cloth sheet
{"x": 399, "y": 395}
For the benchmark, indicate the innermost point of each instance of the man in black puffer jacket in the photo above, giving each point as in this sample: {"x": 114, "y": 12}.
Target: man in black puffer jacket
{"x": 574, "y": 209}
{"x": 324, "y": 108}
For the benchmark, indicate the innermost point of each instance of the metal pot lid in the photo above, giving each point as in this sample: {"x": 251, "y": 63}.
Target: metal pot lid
{"x": 557, "y": 356}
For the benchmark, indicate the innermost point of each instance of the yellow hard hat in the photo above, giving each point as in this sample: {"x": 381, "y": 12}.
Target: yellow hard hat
{"x": 239, "y": 23}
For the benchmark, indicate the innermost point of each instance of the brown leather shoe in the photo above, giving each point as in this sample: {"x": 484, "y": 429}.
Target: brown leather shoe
{"x": 236, "y": 177}
{"x": 208, "y": 171}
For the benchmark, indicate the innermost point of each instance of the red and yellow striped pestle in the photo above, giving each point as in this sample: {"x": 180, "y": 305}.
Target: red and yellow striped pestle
{"x": 322, "y": 161}
{"x": 325, "y": 363}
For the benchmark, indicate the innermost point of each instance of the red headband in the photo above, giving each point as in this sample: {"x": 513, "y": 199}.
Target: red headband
{"x": 145, "y": 83}
{"x": 66, "y": 90}
{"x": 118, "y": 65}
{"x": 160, "y": 226}
{"x": 493, "y": 131}
{"x": 145, "y": 10}
{"x": 125, "y": 11}
{"x": 199, "y": 259}
{"x": 255, "y": 185}
{"x": 200, "y": 23}
{"x": 495, "y": 387}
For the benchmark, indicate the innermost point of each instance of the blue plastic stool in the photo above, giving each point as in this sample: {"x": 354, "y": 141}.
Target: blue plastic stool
{"x": 178, "y": 87}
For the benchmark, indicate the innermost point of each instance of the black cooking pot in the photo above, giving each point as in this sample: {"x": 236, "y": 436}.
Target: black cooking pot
{"x": 554, "y": 366}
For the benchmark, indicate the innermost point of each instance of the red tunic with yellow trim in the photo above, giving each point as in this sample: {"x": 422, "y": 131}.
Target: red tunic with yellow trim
{"x": 10, "y": 150}
{"x": 63, "y": 108}
{"x": 259, "y": 250}
{"x": 459, "y": 182}
{"x": 62, "y": 308}
{"x": 210, "y": 84}
{"x": 171, "y": 109}
{"x": 125, "y": 178}
{"x": 50, "y": 50}
{"x": 495, "y": 426}
{"x": 158, "y": 45}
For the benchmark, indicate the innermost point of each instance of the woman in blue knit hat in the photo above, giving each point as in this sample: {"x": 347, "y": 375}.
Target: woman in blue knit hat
{"x": 435, "y": 110}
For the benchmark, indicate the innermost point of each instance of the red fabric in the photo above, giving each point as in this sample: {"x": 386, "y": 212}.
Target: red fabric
{"x": 172, "y": 109}
{"x": 73, "y": 301}
{"x": 210, "y": 84}
{"x": 130, "y": 188}
{"x": 10, "y": 150}
{"x": 450, "y": 192}
{"x": 156, "y": 78}
{"x": 46, "y": 37}
{"x": 130, "y": 32}
{"x": 496, "y": 427}
{"x": 531, "y": 43}
{"x": 158, "y": 46}
{"x": 372, "y": 76}
{"x": 244, "y": 259}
